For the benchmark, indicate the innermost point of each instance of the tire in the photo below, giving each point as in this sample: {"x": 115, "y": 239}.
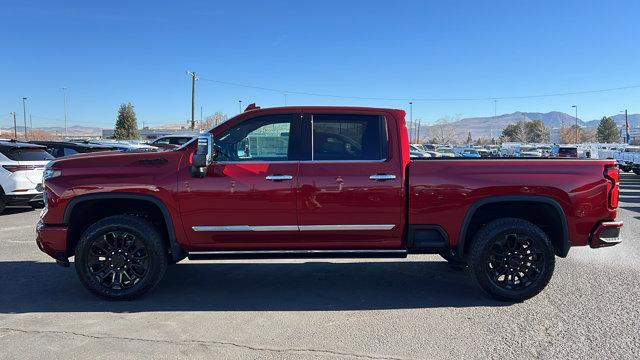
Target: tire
{"x": 121, "y": 257}
{"x": 529, "y": 259}
{"x": 3, "y": 204}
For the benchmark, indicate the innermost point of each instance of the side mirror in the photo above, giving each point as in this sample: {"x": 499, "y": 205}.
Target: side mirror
{"x": 203, "y": 156}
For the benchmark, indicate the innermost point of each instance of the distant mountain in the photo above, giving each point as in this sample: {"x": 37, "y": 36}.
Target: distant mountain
{"x": 492, "y": 126}
{"x": 634, "y": 120}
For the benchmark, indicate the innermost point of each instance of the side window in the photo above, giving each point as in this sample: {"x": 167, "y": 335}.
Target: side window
{"x": 179, "y": 140}
{"x": 69, "y": 151}
{"x": 349, "y": 137}
{"x": 162, "y": 141}
{"x": 264, "y": 138}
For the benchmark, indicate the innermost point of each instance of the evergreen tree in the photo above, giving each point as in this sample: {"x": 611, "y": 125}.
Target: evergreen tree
{"x": 607, "y": 131}
{"x": 126, "y": 124}
{"x": 469, "y": 139}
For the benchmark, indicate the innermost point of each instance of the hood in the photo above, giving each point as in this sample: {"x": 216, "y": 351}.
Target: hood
{"x": 114, "y": 162}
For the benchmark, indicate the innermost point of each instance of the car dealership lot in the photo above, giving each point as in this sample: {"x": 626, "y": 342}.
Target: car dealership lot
{"x": 371, "y": 309}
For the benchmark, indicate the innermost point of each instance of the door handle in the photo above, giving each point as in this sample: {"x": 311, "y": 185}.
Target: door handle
{"x": 279, "y": 177}
{"x": 382, "y": 177}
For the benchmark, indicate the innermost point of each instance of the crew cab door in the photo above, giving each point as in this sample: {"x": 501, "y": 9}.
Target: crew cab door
{"x": 352, "y": 187}
{"x": 247, "y": 200}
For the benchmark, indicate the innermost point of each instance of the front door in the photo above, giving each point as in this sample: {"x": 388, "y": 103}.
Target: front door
{"x": 351, "y": 190}
{"x": 248, "y": 197}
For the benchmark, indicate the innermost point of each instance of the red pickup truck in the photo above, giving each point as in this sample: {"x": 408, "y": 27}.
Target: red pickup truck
{"x": 320, "y": 182}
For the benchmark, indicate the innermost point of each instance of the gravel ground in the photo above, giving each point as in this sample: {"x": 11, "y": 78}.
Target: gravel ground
{"x": 371, "y": 309}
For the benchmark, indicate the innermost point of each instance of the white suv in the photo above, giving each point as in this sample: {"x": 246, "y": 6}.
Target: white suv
{"x": 21, "y": 167}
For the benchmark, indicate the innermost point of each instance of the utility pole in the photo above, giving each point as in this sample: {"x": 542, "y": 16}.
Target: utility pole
{"x": 24, "y": 116}
{"x": 418, "y": 140}
{"x": 201, "y": 118}
{"x": 64, "y": 91}
{"x": 194, "y": 77}
{"x": 411, "y": 117}
{"x": 31, "y": 124}
{"x": 15, "y": 127}
{"x": 576, "y": 107}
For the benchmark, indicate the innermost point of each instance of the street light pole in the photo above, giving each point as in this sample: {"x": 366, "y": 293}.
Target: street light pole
{"x": 240, "y": 106}
{"x": 576, "y": 107}
{"x": 64, "y": 91}
{"x": 24, "y": 116}
{"x": 285, "y": 99}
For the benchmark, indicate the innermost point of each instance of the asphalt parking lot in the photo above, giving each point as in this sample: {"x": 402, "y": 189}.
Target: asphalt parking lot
{"x": 370, "y": 309}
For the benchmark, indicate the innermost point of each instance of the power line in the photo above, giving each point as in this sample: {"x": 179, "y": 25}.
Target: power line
{"x": 582, "y": 92}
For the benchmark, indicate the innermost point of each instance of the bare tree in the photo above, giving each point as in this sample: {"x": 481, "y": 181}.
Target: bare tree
{"x": 444, "y": 131}
{"x": 214, "y": 120}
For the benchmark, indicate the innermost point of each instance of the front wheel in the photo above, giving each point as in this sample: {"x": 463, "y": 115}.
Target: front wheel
{"x": 512, "y": 259}
{"x": 120, "y": 257}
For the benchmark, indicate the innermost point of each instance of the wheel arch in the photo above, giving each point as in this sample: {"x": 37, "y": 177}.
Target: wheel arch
{"x": 561, "y": 245}
{"x": 176, "y": 251}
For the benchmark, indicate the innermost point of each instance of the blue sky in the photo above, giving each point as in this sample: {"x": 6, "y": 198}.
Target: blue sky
{"x": 109, "y": 52}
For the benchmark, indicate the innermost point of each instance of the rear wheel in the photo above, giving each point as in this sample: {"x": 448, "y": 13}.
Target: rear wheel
{"x": 512, "y": 259}
{"x": 120, "y": 257}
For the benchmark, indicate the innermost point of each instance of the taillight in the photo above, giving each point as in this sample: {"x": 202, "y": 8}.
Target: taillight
{"x": 612, "y": 173}
{"x": 14, "y": 168}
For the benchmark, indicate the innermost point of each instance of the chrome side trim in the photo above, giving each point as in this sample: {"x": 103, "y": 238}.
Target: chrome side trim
{"x": 382, "y": 177}
{"x": 279, "y": 177}
{"x": 346, "y": 227}
{"x": 244, "y": 228}
{"x": 224, "y": 228}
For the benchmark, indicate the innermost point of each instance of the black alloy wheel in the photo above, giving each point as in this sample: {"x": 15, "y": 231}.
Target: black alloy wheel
{"x": 118, "y": 260}
{"x": 514, "y": 262}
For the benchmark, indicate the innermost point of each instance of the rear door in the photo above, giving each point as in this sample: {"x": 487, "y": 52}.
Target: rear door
{"x": 351, "y": 188}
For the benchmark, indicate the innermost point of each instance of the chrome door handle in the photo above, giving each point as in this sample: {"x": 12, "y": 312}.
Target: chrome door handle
{"x": 279, "y": 177}
{"x": 382, "y": 177}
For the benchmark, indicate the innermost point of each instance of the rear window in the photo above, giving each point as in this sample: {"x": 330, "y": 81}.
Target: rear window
{"x": 349, "y": 137}
{"x": 26, "y": 154}
{"x": 568, "y": 151}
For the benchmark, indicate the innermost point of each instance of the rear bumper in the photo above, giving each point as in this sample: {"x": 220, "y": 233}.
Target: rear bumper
{"x": 606, "y": 234}
{"x": 52, "y": 239}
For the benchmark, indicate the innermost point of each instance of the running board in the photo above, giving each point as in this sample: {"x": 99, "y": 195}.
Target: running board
{"x": 295, "y": 254}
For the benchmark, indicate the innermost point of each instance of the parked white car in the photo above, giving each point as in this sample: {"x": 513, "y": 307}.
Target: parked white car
{"x": 21, "y": 168}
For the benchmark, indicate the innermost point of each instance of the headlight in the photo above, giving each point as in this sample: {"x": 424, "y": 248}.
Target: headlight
{"x": 50, "y": 174}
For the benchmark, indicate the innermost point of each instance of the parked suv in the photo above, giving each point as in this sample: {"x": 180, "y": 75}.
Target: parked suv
{"x": 21, "y": 167}
{"x": 64, "y": 148}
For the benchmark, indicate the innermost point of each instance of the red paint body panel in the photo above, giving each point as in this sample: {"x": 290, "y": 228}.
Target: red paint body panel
{"x": 443, "y": 191}
{"x": 436, "y": 191}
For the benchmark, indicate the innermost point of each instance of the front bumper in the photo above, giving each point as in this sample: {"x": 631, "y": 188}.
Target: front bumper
{"x": 606, "y": 234}
{"x": 52, "y": 239}
{"x": 25, "y": 199}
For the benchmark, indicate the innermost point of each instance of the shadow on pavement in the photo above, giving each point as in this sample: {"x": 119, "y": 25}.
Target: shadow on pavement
{"x": 29, "y": 286}
{"x": 17, "y": 210}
